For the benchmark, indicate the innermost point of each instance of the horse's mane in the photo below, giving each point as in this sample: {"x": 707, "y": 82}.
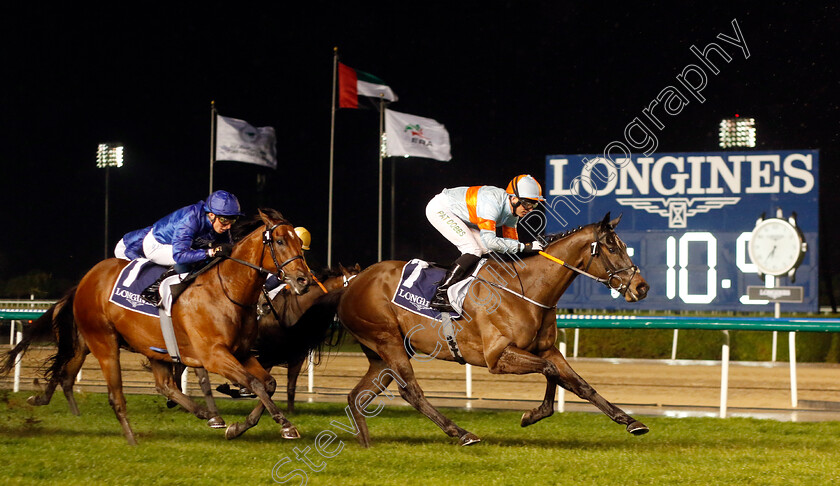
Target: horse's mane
{"x": 326, "y": 273}
{"x": 244, "y": 226}
{"x": 549, "y": 239}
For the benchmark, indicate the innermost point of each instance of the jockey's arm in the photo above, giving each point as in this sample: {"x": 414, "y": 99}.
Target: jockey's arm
{"x": 499, "y": 244}
{"x": 182, "y": 241}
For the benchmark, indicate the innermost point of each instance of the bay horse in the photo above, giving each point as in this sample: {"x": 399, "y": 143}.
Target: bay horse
{"x": 214, "y": 319}
{"x": 284, "y": 342}
{"x": 511, "y": 327}
{"x": 277, "y": 344}
{"x": 306, "y": 324}
{"x": 61, "y": 369}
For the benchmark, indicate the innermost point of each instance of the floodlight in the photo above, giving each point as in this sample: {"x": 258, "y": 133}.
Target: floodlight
{"x": 109, "y": 155}
{"x": 737, "y": 132}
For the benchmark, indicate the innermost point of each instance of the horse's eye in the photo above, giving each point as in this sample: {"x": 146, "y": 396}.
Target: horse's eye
{"x": 612, "y": 250}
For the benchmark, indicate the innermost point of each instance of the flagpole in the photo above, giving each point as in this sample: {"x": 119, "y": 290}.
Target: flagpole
{"x": 381, "y": 123}
{"x": 393, "y": 216}
{"x": 332, "y": 151}
{"x": 212, "y": 141}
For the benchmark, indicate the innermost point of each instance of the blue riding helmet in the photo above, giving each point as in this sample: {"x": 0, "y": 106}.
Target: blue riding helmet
{"x": 222, "y": 203}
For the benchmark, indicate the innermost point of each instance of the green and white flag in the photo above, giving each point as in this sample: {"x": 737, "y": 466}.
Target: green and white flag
{"x": 237, "y": 140}
{"x": 415, "y": 136}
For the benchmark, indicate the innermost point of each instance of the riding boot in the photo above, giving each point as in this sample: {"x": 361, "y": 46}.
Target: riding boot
{"x": 454, "y": 275}
{"x": 152, "y": 293}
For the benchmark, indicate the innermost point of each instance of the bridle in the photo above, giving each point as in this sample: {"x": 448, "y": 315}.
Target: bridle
{"x": 612, "y": 272}
{"x": 613, "y": 279}
{"x": 269, "y": 242}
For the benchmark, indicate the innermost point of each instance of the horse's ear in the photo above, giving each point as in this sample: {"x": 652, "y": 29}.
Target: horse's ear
{"x": 614, "y": 222}
{"x": 264, "y": 217}
{"x": 604, "y": 222}
{"x": 358, "y": 268}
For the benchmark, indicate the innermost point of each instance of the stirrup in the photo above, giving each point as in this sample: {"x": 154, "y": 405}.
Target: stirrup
{"x": 151, "y": 295}
{"x": 440, "y": 301}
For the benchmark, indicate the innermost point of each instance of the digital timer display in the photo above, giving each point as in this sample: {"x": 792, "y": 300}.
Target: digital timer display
{"x": 687, "y": 221}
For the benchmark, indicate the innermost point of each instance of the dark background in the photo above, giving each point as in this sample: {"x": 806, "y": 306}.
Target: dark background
{"x": 512, "y": 81}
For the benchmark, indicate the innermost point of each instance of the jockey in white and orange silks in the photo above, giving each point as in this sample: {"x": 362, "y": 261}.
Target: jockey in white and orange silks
{"x": 469, "y": 216}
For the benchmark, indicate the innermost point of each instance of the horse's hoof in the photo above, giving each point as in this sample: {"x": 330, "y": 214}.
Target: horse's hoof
{"x": 216, "y": 423}
{"x": 232, "y": 431}
{"x": 34, "y": 400}
{"x": 290, "y": 432}
{"x": 637, "y": 428}
{"x": 527, "y": 419}
{"x": 469, "y": 439}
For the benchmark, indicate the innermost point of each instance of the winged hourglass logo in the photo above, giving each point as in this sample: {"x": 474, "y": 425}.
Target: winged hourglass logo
{"x": 678, "y": 209}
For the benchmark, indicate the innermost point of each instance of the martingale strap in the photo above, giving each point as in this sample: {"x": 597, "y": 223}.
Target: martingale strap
{"x": 521, "y": 296}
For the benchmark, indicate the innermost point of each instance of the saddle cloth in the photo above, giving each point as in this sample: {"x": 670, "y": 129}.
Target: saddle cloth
{"x": 131, "y": 282}
{"x": 417, "y": 286}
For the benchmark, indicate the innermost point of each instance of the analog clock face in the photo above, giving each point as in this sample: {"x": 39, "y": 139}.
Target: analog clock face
{"x": 775, "y": 246}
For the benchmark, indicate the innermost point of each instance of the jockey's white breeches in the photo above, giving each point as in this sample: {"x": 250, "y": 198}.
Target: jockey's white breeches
{"x": 452, "y": 228}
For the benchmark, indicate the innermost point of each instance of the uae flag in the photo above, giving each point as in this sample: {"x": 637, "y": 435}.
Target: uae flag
{"x": 353, "y": 83}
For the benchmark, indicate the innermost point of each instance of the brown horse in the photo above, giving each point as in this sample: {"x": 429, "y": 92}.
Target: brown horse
{"x": 512, "y": 331}
{"x": 276, "y": 344}
{"x": 281, "y": 341}
{"x": 62, "y": 368}
{"x": 214, "y": 319}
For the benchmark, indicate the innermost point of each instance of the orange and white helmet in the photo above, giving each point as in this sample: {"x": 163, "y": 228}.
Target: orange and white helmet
{"x": 305, "y": 237}
{"x": 525, "y": 187}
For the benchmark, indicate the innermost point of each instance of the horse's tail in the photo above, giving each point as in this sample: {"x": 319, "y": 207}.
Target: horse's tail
{"x": 45, "y": 328}
{"x": 317, "y": 329}
{"x": 67, "y": 337}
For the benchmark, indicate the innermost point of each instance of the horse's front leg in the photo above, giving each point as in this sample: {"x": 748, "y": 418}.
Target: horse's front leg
{"x": 556, "y": 369}
{"x": 250, "y": 372}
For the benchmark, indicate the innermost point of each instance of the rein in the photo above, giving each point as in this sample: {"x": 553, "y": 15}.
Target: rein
{"x": 575, "y": 269}
{"x": 267, "y": 242}
{"x": 612, "y": 273}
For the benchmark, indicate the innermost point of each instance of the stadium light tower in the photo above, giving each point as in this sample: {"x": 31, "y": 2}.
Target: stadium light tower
{"x": 108, "y": 155}
{"x": 737, "y": 132}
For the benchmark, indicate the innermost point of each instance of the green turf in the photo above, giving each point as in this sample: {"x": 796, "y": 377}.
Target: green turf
{"x": 47, "y": 445}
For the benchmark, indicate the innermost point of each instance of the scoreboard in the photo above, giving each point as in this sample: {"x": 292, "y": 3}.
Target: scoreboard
{"x": 687, "y": 220}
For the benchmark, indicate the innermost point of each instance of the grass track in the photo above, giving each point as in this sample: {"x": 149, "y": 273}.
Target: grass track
{"x": 46, "y": 445}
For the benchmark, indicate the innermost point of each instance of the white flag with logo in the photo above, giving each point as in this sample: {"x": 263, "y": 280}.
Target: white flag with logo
{"x": 237, "y": 140}
{"x": 415, "y": 136}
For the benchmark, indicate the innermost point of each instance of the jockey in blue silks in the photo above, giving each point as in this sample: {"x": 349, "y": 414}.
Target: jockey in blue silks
{"x": 181, "y": 239}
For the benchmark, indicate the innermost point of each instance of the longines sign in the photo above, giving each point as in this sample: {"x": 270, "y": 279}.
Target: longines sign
{"x": 688, "y": 218}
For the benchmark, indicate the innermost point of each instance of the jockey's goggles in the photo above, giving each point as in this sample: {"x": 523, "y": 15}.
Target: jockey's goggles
{"x": 529, "y": 204}
{"x": 226, "y": 220}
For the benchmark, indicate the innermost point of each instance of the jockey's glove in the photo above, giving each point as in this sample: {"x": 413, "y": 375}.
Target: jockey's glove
{"x": 223, "y": 250}
{"x": 533, "y": 246}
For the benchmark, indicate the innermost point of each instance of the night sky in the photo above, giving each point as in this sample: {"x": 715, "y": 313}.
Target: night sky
{"x": 512, "y": 81}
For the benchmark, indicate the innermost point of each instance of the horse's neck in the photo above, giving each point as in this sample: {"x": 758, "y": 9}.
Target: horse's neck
{"x": 548, "y": 280}
{"x": 334, "y": 283}
{"x": 240, "y": 282}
